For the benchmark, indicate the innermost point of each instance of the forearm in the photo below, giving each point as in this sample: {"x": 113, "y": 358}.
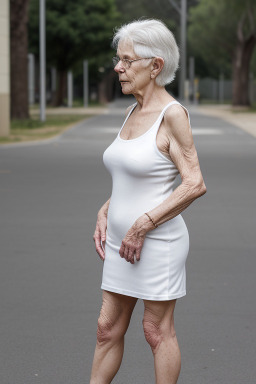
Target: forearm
{"x": 177, "y": 202}
{"x": 104, "y": 209}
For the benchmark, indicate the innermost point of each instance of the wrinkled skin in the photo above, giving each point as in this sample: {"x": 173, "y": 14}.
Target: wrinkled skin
{"x": 132, "y": 244}
{"x": 100, "y": 234}
{"x": 175, "y": 141}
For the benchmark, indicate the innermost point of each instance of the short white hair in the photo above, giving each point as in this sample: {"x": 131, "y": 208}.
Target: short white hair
{"x": 151, "y": 38}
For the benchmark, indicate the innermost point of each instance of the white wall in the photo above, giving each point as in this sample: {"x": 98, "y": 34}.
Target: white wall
{"x": 4, "y": 68}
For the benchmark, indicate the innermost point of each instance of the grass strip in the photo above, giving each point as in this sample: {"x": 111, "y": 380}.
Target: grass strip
{"x": 35, "y": 129}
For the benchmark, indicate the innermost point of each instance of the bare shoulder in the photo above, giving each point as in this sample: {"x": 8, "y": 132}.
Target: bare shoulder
{"x": 177, "y": 125}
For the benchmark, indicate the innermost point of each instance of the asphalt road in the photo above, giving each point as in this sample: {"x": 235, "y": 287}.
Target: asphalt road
{"x": 50, "y": 274}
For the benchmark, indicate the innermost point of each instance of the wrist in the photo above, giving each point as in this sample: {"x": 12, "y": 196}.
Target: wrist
{"x": 151, "y": 219}
{"x": 143, "y": 224}
{"x": 103, "y": 212}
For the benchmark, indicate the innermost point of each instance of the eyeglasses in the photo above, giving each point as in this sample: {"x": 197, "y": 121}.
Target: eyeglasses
{"x": 126, "y": 62}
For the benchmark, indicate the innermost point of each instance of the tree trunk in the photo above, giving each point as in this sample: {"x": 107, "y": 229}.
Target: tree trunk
{"x": 241, "y": 59}
{"x": 61, "y": 91}
{"x": 19, "y": 58}
{"x": 107, "y": 87}
{"x": 241, "y": 70}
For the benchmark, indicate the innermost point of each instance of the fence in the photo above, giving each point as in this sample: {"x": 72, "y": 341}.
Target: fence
{"x": 221, "y": 90}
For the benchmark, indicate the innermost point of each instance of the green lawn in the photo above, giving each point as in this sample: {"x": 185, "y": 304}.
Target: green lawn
{"x": 34, "y": 129}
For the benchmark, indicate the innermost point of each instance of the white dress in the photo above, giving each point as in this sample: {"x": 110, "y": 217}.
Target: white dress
{"x": 142, "y": 178}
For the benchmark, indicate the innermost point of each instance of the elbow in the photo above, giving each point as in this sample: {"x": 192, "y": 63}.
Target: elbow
{"x": 197, "y": 188}
{"x": 200, "y": 188}
{"x": 203, "y": 189}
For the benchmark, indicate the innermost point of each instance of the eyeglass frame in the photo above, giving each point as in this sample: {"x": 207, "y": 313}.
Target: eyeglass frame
{"x": 116, "y": 60}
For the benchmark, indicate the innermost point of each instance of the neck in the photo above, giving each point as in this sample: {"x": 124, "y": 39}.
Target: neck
{"x": 152, "y": 95}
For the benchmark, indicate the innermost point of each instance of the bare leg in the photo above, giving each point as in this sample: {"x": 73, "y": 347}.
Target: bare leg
{"x": 159, "y": 331}
{"x": 113, "y": 322}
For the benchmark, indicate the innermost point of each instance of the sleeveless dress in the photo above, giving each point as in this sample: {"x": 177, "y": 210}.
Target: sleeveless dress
{"x": 142, "y": 178}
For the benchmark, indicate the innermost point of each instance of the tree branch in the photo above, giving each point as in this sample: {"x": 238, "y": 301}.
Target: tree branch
{"x": 240, "y": 25}
{"x": 251, "y": 19}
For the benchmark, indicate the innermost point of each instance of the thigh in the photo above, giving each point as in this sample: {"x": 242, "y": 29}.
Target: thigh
{"x": 117, "y": 309}
{"x": 159, "y": 312}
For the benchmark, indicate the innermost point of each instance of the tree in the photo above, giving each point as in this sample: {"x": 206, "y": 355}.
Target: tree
{"x": 19, "y": 58}
{"x": 75, "y": 30}
{"x": 224, "y": 31}
{"x": 246, "y": 41}
{"x": 157, "y": 9}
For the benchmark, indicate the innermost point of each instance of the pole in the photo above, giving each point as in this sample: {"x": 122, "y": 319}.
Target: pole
{"x": 31, "y": 78}
{"x": 191, "y": 79}
{"x": 86, "y": 83}
{"x": 251, "y": 88}
{"x": 70, "y": 89}
{"x": 183, "y": 34}
{"x": 42, "y": 60}
{"x": 221, "y": 88}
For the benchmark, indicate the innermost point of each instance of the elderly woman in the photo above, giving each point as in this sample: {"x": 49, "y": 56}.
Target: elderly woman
{"x": 140, "y": 233}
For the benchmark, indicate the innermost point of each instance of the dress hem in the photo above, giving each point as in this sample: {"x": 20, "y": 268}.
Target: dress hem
{"x": 142, "y": 295}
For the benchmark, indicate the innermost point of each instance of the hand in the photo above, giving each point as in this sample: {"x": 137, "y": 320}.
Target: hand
{"x": 99, "y": 236}
{"x": 132, "y": 243}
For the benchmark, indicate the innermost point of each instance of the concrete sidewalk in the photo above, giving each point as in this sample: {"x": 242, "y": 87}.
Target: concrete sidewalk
{"x": 71, "y": 111}
{"x": 244, "y": 120}
{"x": 241, "y": 119}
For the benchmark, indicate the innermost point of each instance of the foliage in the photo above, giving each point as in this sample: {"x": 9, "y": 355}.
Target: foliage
{"x": 148, "y": 9}
{"x": 75, "y": 30}
{"x": 158, "y": 9}
{"x": 212, "y": 32}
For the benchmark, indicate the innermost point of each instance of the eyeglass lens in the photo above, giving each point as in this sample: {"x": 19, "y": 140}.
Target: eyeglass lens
{"x": 125, "y": 62}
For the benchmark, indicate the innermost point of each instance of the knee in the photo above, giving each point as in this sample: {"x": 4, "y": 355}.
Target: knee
{"x": 108, "y": 331}
{"x": 153, "y": 334}
{"x": 104, "y": 329}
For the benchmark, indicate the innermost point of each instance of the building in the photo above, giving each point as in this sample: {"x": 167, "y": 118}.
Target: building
{"x": 4, "y": 68}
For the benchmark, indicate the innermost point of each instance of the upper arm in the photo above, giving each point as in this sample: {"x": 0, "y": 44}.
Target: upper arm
{"x": 181, "y": 145}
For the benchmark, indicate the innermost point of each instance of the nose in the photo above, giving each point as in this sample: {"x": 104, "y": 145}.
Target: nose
{"x": 119, "y": 67}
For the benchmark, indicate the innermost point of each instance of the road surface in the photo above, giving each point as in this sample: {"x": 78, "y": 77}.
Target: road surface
{"x": 50, "y": 274}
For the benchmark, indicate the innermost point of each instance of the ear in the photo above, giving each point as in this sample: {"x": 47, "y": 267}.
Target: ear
{"x": 157, "y": 66}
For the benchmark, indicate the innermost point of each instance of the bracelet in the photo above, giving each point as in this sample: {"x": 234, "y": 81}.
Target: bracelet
{"x": 155, "y": 225}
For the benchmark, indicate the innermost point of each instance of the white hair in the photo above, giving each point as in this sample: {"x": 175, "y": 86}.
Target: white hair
{"x": 151, "y": 38}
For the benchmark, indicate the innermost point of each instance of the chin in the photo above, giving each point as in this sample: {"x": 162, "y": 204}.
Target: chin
{"x": 126, "y": 92}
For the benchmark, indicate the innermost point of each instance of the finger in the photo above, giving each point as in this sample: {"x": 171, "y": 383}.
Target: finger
{"x": 137, "y": 254}
{"x": 121, "y": 250}
{"x": 103, "y": 235}
{"x": 126, "y": 252}
{"x": 99, "y": 249}
{"x": 131, "y": 255}
{"x": 103, "y": 244}
{"x": 101, "y": 254}
{"x": 96, "y": 234}
{"x": 102, "y": 241}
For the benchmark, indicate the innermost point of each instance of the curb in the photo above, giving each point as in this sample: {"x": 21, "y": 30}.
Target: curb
{"x": 49, "y": 140}
{"x": 242, "y": 120}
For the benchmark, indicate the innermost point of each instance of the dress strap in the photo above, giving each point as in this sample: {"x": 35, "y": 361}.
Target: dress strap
{"x": 127, "y": 117}
{"x": 169, "y": 105}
